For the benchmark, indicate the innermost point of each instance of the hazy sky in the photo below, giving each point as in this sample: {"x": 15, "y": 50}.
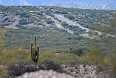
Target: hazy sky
{"x": 40, "y": 2}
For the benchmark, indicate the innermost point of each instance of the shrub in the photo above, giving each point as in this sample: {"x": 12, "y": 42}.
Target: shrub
{"x": 64, "y": 12}
{"x": 24, "y": 14}
{"x": 4, "y": 15}
{"x": 100, "y": 68}
{"x": 49, "y": 21}
{"x": 23, "y": 22}
{"x": 81, "y": 51}
{"x": 70, "y": 17}
{"x": 57, "y": 12}
{"x": 39, "y": 24}
{"x": 17, "y": 13}
{"x": 49, "y": 64}
{"x": 40, "y": 13}
{"x": 19, "y": 68}
{"x": 5, "y": 19}
{"x": 64, "y": 24}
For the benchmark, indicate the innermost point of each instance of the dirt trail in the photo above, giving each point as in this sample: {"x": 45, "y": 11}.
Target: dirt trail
{"x": 62, "y": 18}
{"x": 57, "y": 23}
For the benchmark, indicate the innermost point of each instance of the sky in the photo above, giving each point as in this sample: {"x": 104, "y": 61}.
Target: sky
{"x": 41, "y": 2}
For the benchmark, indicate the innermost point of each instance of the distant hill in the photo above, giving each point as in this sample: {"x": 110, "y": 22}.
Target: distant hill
{"x": 104, "y": 5}
{"x": 83, "y": 4}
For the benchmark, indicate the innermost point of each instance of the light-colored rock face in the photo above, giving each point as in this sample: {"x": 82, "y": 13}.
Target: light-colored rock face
{"x": 86, "y": 71}
{"x": 45, "y": 74}
{"x": 82, "y": 71}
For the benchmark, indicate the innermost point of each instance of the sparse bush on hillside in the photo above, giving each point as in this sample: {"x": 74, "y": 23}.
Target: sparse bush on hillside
{"x": 4, "y": 15}
{"x": 64, "y": 12}
{"x": 24, "y": 14}
{"x": 49, "y": 64}
{"x": 17, "y": 69}
{"x": 48, "y": 12}
{"x": 17, "y": 13}
{"x": 81, "y": 51}
{"x": 40, "y": 13}
{"x": 23, "y": 22}
{"x": 70, "y": 17}
{"x": 45, "y": 56}
{"x": 64, "y": 24}
{"x": 52, "y": 15}
{"x": 6, "y": 19}
{"x": 58, "y": 12}
{"x": 49, "y": 21}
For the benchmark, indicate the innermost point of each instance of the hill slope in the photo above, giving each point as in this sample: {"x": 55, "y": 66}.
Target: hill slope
{"x": 44, "y": 22}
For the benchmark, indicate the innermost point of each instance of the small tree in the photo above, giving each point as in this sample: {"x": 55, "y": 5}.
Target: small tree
{"x": 81, "y": 51}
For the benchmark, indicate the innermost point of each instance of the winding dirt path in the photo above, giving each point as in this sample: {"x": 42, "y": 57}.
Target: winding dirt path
{"x": 62, "y": 18}
{"x": 57, "y": 23}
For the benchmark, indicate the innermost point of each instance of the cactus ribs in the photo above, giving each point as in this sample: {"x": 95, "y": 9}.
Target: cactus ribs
{"x": 34, "y": 51}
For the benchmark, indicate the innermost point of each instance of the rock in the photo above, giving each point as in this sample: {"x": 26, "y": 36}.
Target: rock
{"x": 82, "y": 71}
{"x": 45, "y": 74}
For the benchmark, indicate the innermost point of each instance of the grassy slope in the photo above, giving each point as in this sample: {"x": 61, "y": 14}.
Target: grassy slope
{"x": 47, "y": 39}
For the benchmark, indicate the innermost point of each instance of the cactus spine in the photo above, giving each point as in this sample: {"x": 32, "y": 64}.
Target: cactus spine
{"x": 34, "y": 51}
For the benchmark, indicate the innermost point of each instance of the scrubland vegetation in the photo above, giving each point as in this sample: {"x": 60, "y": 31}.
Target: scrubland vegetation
{"x": 56, "y": 44}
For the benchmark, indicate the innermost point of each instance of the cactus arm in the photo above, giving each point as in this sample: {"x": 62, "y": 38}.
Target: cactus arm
{"x": 35, "y": 42}
{"x": 37, "y": 52}
{"x": 33, "y": 54}
{"x": 31, "y": 50}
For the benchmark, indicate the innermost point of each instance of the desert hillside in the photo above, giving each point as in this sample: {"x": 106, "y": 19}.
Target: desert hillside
{"x": 82, "y": 40}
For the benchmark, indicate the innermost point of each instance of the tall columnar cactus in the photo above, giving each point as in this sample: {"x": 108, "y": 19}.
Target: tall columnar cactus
{"x": 34, "y": 51}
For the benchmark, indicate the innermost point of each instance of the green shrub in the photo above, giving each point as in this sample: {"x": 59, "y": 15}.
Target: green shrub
{"x": 70, "y": 17}
{"x": 17, "y": 13}
{"x": 40, "y": 13}
{"x": 81, "y": 51}
{"x": 51, "y": 15}
{"x": 17, "y": 69}
{"x": 49, "y": 21}
{"x": 49, "y": 64}
{"x": 6, "y": 19}
{"x": 64, "y": 12}
{"x": 23, "y": 22}
{"x": 4, "y": 15}
{"x": 58, "y": 12}
{"x": 24, "y": 14}
{"x": 64, "y": 24}
{"x": 39, "y": 24}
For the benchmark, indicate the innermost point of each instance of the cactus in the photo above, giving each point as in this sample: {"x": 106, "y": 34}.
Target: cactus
{"x": 34, "y": 51}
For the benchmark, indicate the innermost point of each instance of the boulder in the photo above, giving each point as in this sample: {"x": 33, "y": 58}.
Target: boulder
{"x": 45, "y": 74}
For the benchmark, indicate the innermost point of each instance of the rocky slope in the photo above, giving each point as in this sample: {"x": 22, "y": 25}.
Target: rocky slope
{"x": 80, "y": 71}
